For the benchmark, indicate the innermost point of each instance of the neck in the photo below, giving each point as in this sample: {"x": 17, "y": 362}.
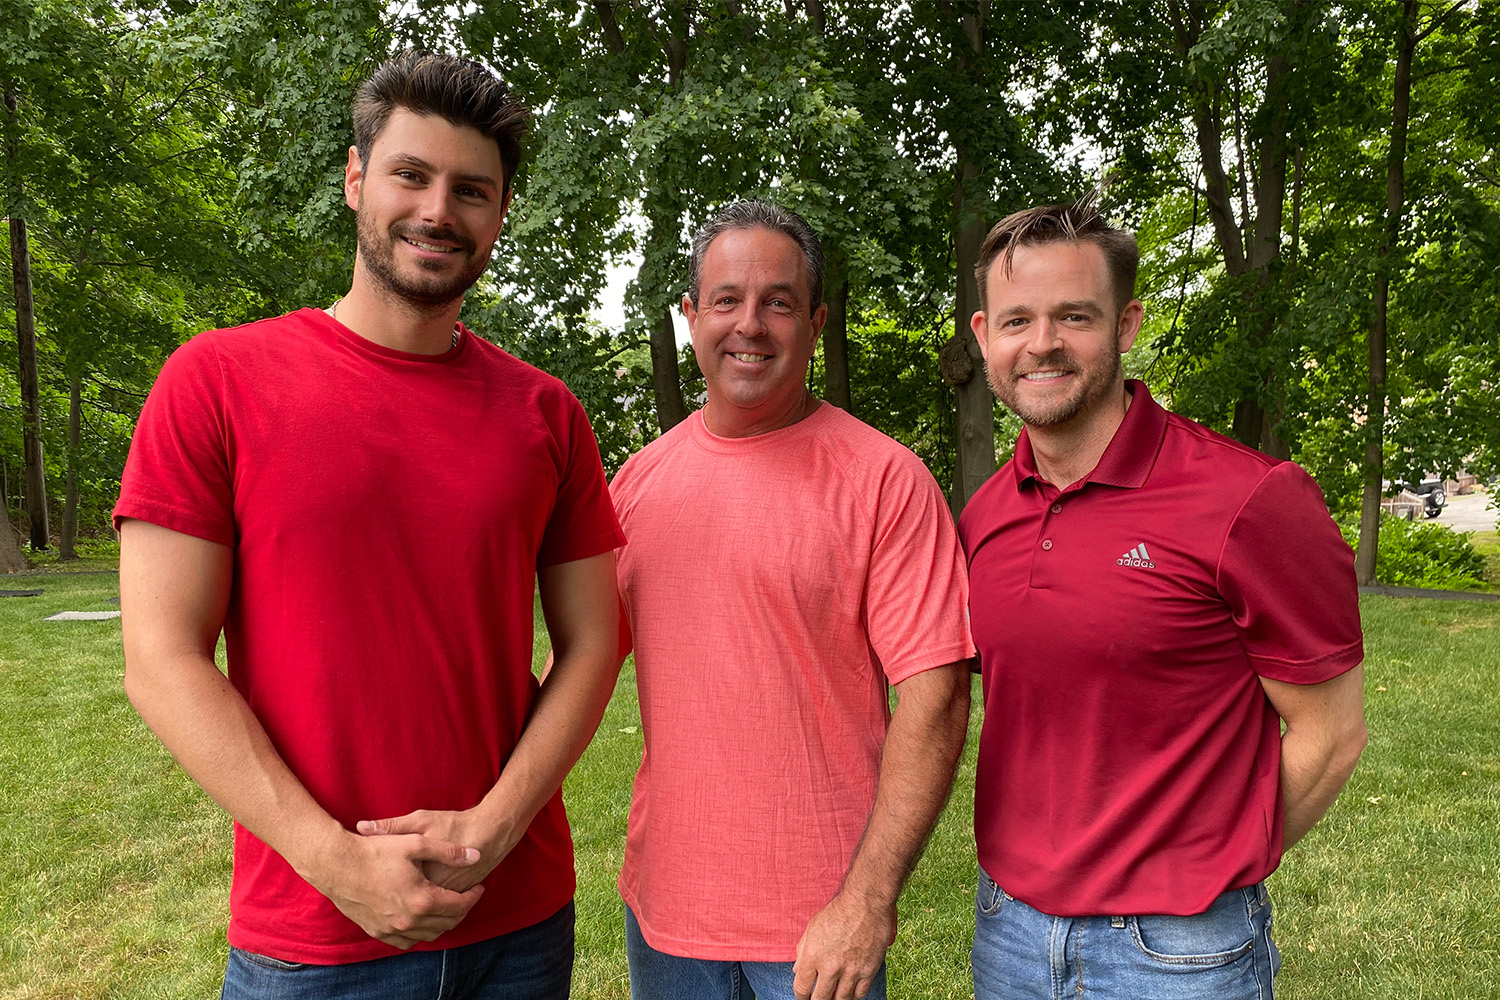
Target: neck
{"x": 724, "y": 420}
{"x": 1067, "y": 452}
{"x": 384, "y": 318}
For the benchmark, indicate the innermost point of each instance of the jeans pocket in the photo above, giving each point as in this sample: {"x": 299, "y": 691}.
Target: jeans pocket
{"x": 990, "y": 898}
{"x": 1220, "y": 935}
{"x": 267, "y": 962}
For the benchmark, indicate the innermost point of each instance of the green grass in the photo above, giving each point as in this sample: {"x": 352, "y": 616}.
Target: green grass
{"x": 114, "y": 868}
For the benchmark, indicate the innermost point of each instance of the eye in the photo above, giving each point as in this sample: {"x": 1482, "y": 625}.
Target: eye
{"x": 409, "y": 175}
{"x": 472, "y": 192}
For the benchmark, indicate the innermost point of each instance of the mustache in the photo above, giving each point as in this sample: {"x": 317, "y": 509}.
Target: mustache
{"x": 433, "y": 234}
{"x": 1055, "y": 361}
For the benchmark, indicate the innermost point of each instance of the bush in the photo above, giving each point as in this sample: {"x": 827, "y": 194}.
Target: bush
{"x": 1414, "y": 554}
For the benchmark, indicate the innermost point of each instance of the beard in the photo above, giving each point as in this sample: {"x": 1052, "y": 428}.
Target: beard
{"x": 434, "y": 283}
{"x": 1093, "y": 384}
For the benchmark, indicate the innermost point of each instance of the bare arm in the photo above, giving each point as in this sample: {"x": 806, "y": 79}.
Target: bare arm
{"x": 1325, "y": 733}
{"x": 845, "y": 942}
{"x": 174, "y": 590}
{"x": 581, "y": 605}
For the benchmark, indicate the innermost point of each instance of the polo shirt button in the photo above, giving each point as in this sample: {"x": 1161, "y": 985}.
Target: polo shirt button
{"x": 1057, "y": 508}
{"x": 1046, "y": 545}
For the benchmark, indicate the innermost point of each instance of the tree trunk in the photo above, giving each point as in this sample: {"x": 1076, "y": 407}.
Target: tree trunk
{"x": 11, "y": 558}
{"x": 65, "y": 549}
{"x": 31, "y": 411}
{"x": 1395, "y": 201}
{"x": 671, "y": 410}
{"x": 975, "y": 461}
{"x": 836, "y": 335}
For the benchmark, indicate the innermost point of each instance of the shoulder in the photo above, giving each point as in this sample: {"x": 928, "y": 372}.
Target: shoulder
{"x": 1189, "y": 443}
{"x": 514, "y": 371}
{"x": 864, "y": 450}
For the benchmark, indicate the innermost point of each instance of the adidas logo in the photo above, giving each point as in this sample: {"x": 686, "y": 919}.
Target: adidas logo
{"x": 1137, "y": 557}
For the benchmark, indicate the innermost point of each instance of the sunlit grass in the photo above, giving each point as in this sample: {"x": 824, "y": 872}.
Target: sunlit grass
{"x": 114, "y": 868}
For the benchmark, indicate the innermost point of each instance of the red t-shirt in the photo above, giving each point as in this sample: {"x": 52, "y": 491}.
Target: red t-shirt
{"x": 1129, "y": 760}
{"x": 388, "y": 512}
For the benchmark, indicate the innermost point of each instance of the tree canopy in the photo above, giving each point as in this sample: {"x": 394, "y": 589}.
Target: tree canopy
{"x": 177, "y": 164}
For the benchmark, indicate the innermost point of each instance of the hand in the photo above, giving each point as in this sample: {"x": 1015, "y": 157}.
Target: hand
{"x": 379, "y": 884}
{"x": 842, "y": 949}
{"x": 459, "y": 827}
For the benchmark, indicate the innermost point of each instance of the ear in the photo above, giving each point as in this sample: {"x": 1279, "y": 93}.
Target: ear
{"x": 354, "y": 173}
{"x": 1129, "y": 325}
{"x": 690, "y": 312}
{"x": 818, "y": 319}
{"x": 505, "y": 204}
{"x": 981, "y": 327}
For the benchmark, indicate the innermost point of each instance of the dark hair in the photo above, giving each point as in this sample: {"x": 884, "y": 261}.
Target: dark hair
{"x": 457, "y": 90}
{"x": 761, "y": 215}
{"x": 1076, "y": 223}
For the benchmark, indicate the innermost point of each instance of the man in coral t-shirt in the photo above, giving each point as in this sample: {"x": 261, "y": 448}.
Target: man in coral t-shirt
{"x": 785, "y": 564}
{"x": 1152, "y": 602}
{"x": 365, "y": 498}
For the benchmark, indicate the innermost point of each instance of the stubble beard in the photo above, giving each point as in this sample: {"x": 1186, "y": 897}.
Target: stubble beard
{"x": 377, "y": 251}
{"x": 1093, "y": 385}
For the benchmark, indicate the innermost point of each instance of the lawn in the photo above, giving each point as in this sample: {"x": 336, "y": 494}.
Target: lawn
{"x": 114, "y": 869}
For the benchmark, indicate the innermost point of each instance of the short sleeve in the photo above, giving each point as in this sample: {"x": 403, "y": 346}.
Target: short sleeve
{"x": 178, "y": 474}
{"x": 582, "y": 522}
{"x": 917, "y": 591}
{"x": 1288, "y": 576}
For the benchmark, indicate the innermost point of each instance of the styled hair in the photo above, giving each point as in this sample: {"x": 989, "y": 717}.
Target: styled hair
{"x": 1076, "y": 223}
{"x": 761, "y": 215}
{"x": 457, "y": 90}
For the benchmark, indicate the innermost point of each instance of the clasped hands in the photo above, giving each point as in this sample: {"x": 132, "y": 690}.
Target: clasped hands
{"x": 412, "y": 878}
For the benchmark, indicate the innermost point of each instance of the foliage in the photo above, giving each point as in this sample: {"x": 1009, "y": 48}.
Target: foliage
{"x": 1415, "y": 554}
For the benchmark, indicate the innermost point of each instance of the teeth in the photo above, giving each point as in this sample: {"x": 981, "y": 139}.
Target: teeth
{"x": 1039, "y": 376}
{"x": 742, "y": 356}
{"x": 430, "y": 246}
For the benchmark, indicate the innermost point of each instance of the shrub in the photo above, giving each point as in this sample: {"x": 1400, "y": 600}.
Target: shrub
{"x": 1414, "y": 554}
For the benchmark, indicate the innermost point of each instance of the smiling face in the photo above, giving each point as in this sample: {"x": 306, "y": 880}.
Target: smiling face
{"x": 430, "y": 201}
{"x": 754, "y": 331}
{"x": 1053, "y": 334}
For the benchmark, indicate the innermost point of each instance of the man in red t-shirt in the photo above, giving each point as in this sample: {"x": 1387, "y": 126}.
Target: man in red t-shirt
{"x": 364, "y": 499}
{"x": 1151, "y": 603}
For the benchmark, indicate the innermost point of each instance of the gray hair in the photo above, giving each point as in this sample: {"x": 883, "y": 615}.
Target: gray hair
{"x": 761, "y": 215}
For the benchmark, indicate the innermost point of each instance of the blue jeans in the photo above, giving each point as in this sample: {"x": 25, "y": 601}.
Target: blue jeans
{"x": 533, "y": 963}
{"x": 655, "y": 975}
{"x": 1224, "y": 952}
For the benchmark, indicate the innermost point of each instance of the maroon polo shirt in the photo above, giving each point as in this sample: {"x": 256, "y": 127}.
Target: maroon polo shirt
{"x": 1129, "y": 760}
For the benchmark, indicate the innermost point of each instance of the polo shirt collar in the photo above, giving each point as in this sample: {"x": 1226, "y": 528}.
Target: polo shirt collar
{"x": 1128, "y": 460}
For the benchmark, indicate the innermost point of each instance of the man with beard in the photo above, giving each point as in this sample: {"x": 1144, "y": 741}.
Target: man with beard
{"x": 364, "y": 499}
{"x": 1152, "y": 602}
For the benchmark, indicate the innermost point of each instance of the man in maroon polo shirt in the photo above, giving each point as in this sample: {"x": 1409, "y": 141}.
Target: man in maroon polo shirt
{"x": 1151, "y": 602}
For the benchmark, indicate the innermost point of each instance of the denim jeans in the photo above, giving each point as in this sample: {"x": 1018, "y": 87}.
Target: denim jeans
{"x": 655, "y": 975}
{"x": 533, "y": 963}
{"x": 1224, "y": 953}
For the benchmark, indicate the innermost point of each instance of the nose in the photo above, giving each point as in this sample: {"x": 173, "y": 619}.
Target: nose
{"x": 437, "y": 206}
{"x": 1044, "y": 336}
{"x": 748, "y": 321}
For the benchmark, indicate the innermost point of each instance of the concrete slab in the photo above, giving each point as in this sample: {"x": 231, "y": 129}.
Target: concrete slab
{"x": 82, "y": 616}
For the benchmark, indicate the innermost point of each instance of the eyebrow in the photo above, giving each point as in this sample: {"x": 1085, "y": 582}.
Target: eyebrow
{"x": 730, "y": 286}
{"x": 416, "y": 161}
{"x": 1073, "y": 305}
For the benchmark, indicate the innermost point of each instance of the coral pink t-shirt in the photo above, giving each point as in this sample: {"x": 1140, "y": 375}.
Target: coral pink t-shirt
{"x": 774, "y": 585}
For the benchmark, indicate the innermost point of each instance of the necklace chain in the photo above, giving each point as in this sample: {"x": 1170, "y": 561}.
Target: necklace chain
{"x": 333, "y": 313}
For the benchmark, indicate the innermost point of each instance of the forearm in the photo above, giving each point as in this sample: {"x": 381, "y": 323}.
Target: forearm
{"x": 207, "y": 726}
{"x": 917, "y": 763}
{"x": 568, "y": 708}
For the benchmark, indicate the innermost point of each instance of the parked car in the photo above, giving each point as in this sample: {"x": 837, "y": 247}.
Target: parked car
{"x": 1433, "y": 497}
